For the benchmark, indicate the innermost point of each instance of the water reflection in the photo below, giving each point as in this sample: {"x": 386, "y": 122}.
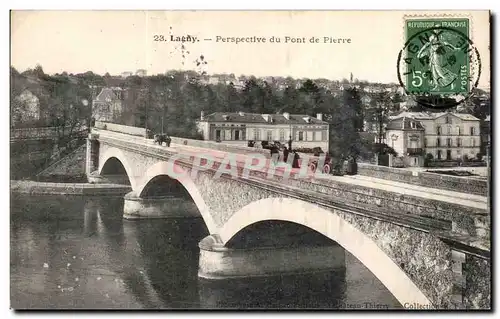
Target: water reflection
{"x": 80, "y": 253}
{"x": 320, "y": 290}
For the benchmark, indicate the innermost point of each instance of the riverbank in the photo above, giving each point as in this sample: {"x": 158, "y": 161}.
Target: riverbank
{"x": 49, "y": 188}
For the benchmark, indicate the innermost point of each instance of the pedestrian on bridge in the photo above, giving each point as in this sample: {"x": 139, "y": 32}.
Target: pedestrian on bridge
{"x": 285, "y": 154}
{"x": 274, "y": 150}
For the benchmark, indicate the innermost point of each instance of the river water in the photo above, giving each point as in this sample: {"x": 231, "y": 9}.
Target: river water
{"x": 73, "y": 252}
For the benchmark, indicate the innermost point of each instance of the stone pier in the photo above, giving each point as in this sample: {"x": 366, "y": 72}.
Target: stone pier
{"x": 219, "y": 262}
{"x": 158, "y": 207}
{"x": 92, "y": 155}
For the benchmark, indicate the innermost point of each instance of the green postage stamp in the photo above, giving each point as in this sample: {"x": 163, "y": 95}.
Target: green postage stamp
{"x": 439, "y": 59}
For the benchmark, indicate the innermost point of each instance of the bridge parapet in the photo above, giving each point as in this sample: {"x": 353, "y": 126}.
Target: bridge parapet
{"x": 454, "y": 183}
{"x": 118, "y": 128}
{"x": 231, "y": 148}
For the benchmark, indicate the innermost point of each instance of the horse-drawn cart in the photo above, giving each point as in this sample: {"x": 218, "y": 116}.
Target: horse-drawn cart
{"x": 161, "y": 138}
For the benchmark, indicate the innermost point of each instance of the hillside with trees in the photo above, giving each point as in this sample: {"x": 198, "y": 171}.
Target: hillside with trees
{"x": 177, "y": 98}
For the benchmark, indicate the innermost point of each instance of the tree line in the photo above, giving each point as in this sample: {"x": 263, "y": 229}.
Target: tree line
{"x": 175, "y": 100}
{"x": 178, "y": 98}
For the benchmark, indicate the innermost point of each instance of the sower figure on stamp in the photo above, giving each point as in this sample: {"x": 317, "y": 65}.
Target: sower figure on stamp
{"x": 435, "y": 48}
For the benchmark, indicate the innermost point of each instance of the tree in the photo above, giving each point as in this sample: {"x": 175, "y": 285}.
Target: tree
{"x": 67, "y": 111}
{"x": 396, "y": 100}
{"x": 252, "y": 96}
{"x": 17, "y": 107}
{"x": 38, "y": 71}
{"x": 310, "y": 97}
{"x": 352, "y": 99}
{"x": 344, "y": 136}
{"x": 232, "y": 98}
{"x": 290, "y": 100}
{"x": 382, "y": 102}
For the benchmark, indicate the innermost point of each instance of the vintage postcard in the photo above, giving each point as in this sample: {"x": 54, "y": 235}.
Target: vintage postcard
{"x": 250, "y": 160}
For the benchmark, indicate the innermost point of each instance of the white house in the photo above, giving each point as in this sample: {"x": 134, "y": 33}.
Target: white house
{"x": 239, "y": 128}
{"x": 448, "y": 135}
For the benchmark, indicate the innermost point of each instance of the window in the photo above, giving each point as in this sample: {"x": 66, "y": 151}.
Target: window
{"x": 282, "y": 135}
{"x": 217, "y": 134}
{"x": 425, "y": 142}
{"x": 301, "y": 136}
{"x": 323, "y": 135}
{"x": 439, "y": 154}
{"x": 412, "y": 124}
{"x": 317, "y": 136}
{"x": 448, "y": 120}
{"x": 459, "y": 141}
{"x": 448, "y": 154}
{"x": 472, "y": 130}
{"x": 473, "y": 143}
{"x": 237, "y": 135}
{"x": 449, "y": 130}
{"x": 438, "y": 142}
{"x": 256, "y": 134}
{"x": 438, "y": 130}
{"x": 269, "y": 135}
{"x": 458, "y": 130}
{"x": 448, "y": 142}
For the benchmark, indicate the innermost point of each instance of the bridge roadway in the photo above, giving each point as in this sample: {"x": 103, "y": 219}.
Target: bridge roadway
{"x": 464, "y": 199}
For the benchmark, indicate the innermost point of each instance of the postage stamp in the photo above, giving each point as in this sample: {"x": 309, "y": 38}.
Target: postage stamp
{"x": 439, "y": 65}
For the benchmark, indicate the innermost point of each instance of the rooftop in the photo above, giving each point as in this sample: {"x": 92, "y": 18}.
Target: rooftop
{"x": 243, "y": 117}
{"x": 405, "y": 124}
{"x": 106, "y": 95}
{"x": 432, "y": 116}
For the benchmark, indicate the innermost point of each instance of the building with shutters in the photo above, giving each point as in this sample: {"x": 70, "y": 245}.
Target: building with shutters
{"x": 406, "y": 136}
{"x": 240, "y": 127}
{"x": 447, "y": 136}
{"x": 107, "y": 106}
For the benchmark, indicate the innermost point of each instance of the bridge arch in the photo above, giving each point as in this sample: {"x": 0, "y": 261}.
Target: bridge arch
{"x": 334, "y": 227}
{"x": 113, "y": 154}
{"x": 181, "y": 175}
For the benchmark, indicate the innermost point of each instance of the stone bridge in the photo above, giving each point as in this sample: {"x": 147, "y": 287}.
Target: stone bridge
{"x": 429, "y": 250}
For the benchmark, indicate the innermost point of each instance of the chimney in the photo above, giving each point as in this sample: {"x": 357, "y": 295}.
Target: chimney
{"x": 202, "y": 116}
{"x": 319, "y": 116}
{"x": 286, "y": 115}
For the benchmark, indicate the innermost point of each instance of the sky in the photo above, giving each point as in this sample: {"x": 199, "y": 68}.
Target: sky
{"x": 118, "y": 41}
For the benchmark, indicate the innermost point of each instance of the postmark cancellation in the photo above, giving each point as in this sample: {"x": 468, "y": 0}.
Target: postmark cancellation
{"x": 438, "y": 66}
